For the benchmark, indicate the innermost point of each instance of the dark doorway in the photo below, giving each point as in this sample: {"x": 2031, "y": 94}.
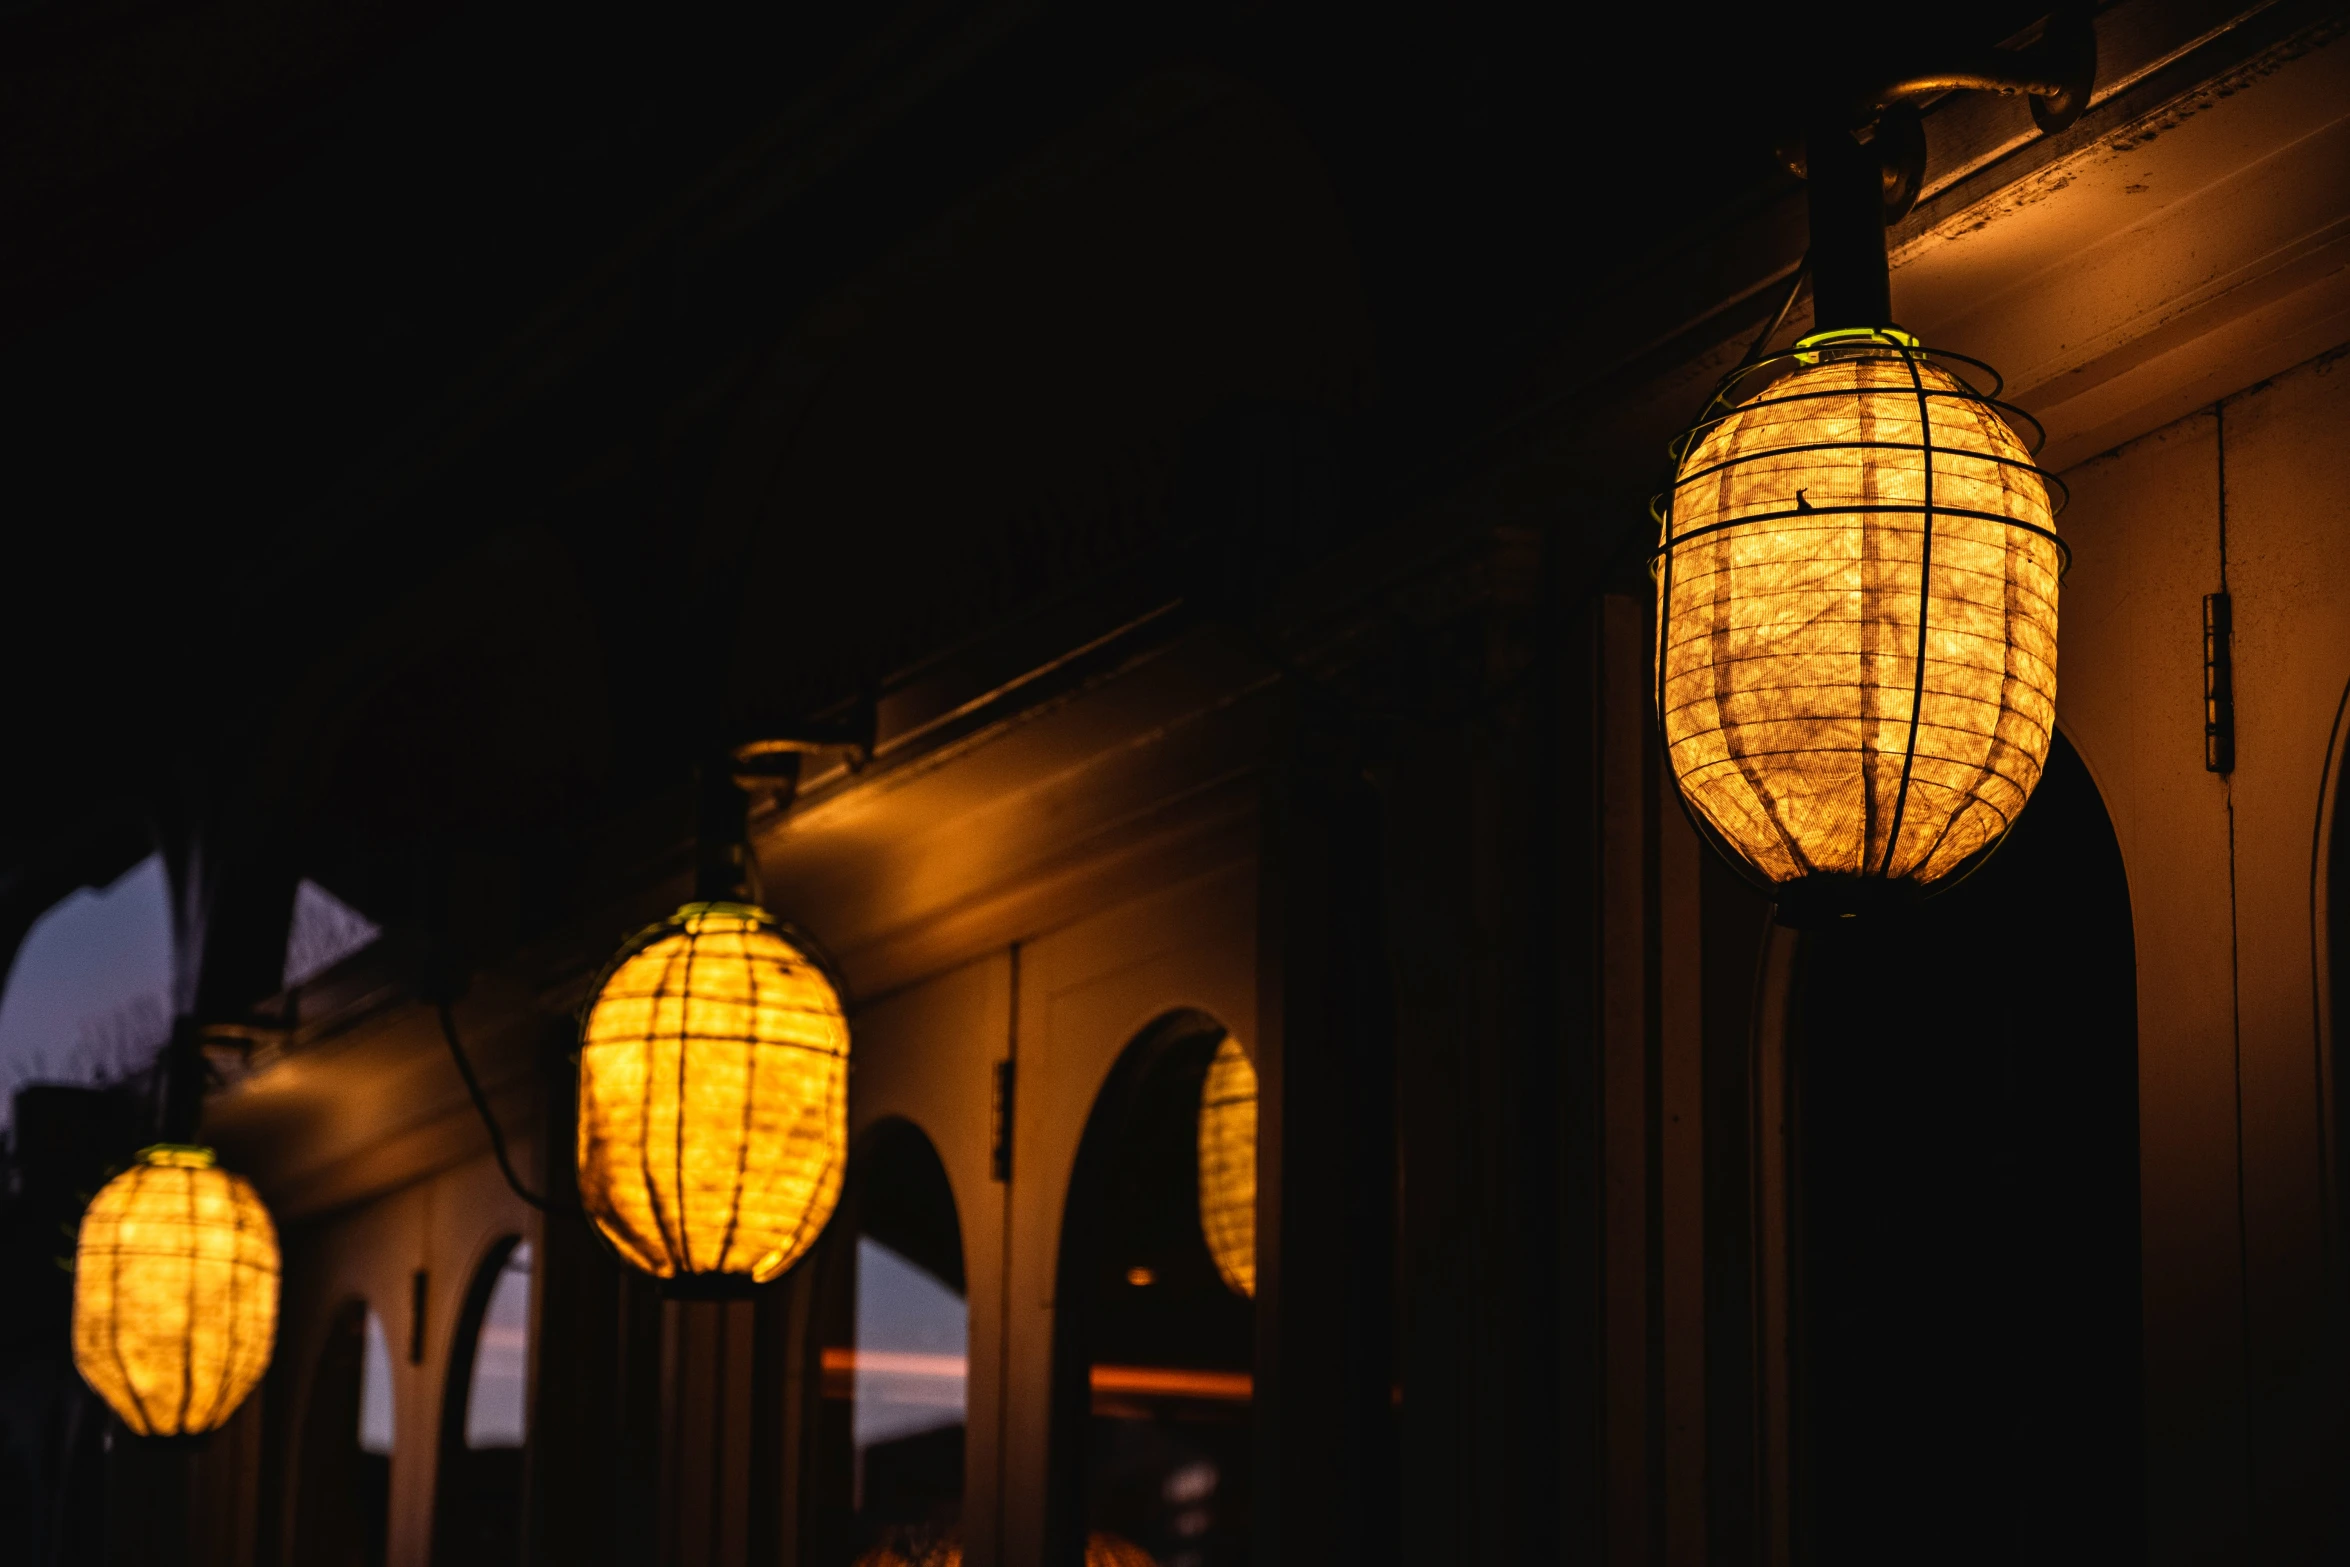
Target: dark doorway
{"x": 343, "y": 1479}
{"x": 892, "y": 1347}
{"x": 477, "y": 1512}
{"x": 1154, "y": 1353}
{"x": 1966, "y": 1220}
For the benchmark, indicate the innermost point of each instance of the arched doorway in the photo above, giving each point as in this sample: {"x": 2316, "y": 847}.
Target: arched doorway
{"x": 1155, "y": 1327}
{"x": 343, "y": 1477}
{"x": 477, "y": 1511}
{"x": 892, "y": 1352}
{"x": 1966, "y": 1212}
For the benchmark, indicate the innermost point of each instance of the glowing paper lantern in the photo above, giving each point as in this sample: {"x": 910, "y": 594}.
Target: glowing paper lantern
{"x": 1867, "y": 503}
{"x": 713, "y": 1100}
{"x": 1228, "y": 1165}
{"x": 174, "y": 1293}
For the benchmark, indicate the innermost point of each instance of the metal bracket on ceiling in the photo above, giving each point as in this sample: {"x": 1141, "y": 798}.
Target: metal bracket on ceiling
{"x": 2057, "y": 71}
{"x": 769, "y": 763}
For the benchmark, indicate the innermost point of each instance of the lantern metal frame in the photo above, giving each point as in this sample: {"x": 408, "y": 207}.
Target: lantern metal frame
{"x": 704, "y": 1286}
{"x": 1822, "y": 898}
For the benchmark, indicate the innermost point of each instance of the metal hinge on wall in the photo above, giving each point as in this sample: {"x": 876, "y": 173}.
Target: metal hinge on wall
{"x": 2219, "y": 685}
{"x": 1000, "y": 1123}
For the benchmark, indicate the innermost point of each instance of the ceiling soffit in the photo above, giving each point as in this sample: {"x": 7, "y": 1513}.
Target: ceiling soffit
{"x": 999, "y": 412}
{"x": 2197, "y": 246}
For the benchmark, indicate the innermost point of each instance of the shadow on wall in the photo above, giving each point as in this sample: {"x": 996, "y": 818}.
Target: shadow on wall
{"x": 1966, "y": 1089}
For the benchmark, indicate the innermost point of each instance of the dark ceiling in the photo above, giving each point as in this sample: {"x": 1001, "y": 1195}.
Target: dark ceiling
{"x": 312, "y": 317}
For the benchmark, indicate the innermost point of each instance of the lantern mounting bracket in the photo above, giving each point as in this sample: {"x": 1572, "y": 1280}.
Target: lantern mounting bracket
{"x": 2057, "y": 71}
{"x": 771, "y": 759}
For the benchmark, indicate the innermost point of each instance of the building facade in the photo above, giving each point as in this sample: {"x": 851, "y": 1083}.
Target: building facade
{"x": 1597, "y": 1217}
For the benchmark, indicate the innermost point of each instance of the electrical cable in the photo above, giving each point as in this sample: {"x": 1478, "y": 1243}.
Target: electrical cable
{"x": 1755, "y": 350}
{"x": 481, "y": 1103}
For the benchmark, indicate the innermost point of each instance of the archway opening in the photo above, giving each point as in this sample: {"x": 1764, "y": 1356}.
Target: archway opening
{"x": 477, "y": 1510}
{"x": 1966, "y": 1211}
{"x": 892, "y": 1346}
{"x": 343, "y": 1481}
{"x": 1155, "y": 1327}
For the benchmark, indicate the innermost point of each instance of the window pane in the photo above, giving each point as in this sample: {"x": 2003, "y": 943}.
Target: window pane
{"x": 501, "y": 1359}
{"x": 1162, "y": 1310}
{"x": 912, "y": 1329}
{"x": 895, "y": 1336}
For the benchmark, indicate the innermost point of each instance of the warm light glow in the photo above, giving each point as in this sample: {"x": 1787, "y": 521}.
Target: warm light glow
{"x": 1223, "y": 1387}
{"x": 713, "y": 1098}
{"x": 1101, "y": 1550}
{"x": 1228, "y": 1165}
{"x": 894, "y": 1362}
{"x": 175, "y": 1293}
{"x": 1791, "y": 608}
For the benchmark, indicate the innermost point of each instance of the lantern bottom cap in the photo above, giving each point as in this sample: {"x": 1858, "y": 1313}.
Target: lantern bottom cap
{"x": 1823, "y": 900}
{"x": 710, "y": 1286}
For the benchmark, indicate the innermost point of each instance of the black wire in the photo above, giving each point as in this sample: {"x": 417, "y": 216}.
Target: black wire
{"x": 1754, "y": 351}
{"x": 481, "y": 1103}
{"x": 1759, "y": 349}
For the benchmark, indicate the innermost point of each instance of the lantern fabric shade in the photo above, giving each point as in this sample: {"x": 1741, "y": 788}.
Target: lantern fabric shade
{"x": 1228, "y": 1165}
{"x": 175, "y": 1290}
{"x": 1866, "y": 507}
{"x": 713, "y": 1098}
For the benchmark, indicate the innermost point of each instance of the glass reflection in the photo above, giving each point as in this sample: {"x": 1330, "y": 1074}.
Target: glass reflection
{"x": 908, "y": 1368}
{"x": 1166, "y": 1340}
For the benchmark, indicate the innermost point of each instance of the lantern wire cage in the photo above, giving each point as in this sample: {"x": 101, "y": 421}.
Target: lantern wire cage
{"x": 713, "y": 1099}
{"x": 1856, "y": 574}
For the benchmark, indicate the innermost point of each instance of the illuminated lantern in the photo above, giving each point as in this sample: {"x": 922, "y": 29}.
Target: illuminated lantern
{"x": 1841, "y": 508}
{"x": 1228, "y": 1165}
{"x": 713, "y": 1100}
{"x": 175, "y": 1293}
